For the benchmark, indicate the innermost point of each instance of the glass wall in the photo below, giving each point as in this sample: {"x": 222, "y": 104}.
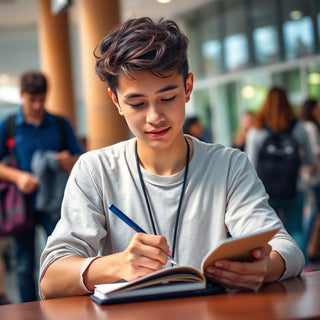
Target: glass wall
{"x": 253, "y": 90}
{"x": 244, "y": 47}
{"x": 226, "y": 112}
{"x": 207, "y": 41}
{"x": 313, "y": 78}
{"x": 235, "y": 40}
{"x": 291, "y": 81}
{"x": 297, "y": 29}
{"x": 264, "y": 31}
{"x": 201, "y": 99}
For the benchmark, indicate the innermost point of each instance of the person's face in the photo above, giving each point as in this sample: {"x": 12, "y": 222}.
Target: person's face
{"x": 153, "y": 107}
{"x": 33, "y": 106}
{"x": 247, "y": 121}
{"x": 316, "y": 112}
{"x": 196, "y": 129}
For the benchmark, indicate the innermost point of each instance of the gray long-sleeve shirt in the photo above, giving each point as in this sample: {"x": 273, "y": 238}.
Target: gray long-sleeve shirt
{"x": 222, "y": 194}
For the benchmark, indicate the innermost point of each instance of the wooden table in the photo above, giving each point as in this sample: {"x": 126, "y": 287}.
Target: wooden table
{"x": 297, "y": 298}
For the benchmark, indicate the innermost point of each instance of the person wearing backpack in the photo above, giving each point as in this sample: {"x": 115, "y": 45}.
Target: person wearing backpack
{"x": 35, "y": 129}
{"x": 310, "y": 115}
{"x": 278, "y": 146}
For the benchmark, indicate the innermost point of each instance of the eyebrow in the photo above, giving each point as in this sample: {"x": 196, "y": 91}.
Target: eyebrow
{"x": 164, "y": 89}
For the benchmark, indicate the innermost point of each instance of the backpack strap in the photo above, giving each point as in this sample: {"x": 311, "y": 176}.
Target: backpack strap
{"x": 63, "y": 132}
{"x": 10, "y": 132}
{"x": 292, "y": 125}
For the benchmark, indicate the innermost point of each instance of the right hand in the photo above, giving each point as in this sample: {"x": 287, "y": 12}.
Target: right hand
{"x": 27, "y": 182}
{"x": 145, "y": 253}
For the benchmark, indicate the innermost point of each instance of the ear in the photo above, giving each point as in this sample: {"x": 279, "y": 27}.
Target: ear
{"x": 115, "y": 101}
{"x": 189, "y": 86}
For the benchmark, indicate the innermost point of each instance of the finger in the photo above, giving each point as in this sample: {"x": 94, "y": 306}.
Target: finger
{"x": 234, "y": 280}
{"x": 260, "y": 253}
{"x": 144, "y": 245}
{"x": 238, "y": 274}
{"x": 240, "y": 282}
{"x": 155, "y": 241}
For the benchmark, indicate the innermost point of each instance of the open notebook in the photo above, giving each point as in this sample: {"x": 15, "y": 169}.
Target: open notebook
{"x": 181, "y": 281}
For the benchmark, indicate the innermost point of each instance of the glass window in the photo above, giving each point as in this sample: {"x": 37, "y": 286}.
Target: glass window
{"x": 212, "y": 57}
{"x": 236, "y": 51}
{"x": 235, "y": 41}
{"x": 9, "y": 95}
{"x": 318, "y": 15}
{"x": 291, "y": 81}
{"x": 226, "y": 113}
{"x": 313, "y": 76}
{"x": 297, "y": 29}
{"x": 205, "y": 41}
{"x": 265, "y": 35}
{"x": 254, "y": 88}
{"x": 203, "y": 109}
{"x": 319, "y": 24}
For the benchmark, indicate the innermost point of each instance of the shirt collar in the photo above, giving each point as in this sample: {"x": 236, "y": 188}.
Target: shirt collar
{"x": 20, "y": 119}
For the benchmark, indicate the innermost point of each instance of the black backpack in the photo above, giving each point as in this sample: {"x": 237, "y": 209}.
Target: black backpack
{"x": 278, "y": 164}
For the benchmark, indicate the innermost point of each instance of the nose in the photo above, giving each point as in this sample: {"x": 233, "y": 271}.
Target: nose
{"x": 37, "y": 105}
{"x": 154, "y": 114}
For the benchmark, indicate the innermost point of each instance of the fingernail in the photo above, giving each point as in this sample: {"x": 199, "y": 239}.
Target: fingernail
{"x": 258, "y": 253}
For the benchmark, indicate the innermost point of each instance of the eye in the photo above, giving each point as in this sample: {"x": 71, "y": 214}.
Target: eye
{"x": 136, "y": 105}
{"x": 169, "y": 99}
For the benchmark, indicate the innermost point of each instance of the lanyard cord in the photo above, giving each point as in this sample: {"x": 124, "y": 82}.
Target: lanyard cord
{"x": 181, "y": 195}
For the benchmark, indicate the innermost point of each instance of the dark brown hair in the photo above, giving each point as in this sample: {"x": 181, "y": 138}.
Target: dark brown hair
{"x": 141, "y": 44}
{"x": 33, "y": 82}
{"x": 276, "y": 111}
{"x": 306, "y": 111}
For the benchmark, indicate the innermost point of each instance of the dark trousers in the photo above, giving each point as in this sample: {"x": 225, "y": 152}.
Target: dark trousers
{"x": 25, "y": 256}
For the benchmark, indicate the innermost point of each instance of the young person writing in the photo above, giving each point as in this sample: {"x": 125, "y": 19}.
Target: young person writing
{"x": 185, "y": 193}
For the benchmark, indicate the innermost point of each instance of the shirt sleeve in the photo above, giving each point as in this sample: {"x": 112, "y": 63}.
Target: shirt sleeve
{"x": 307, "y": 155}
{"x": 248, "y": 210}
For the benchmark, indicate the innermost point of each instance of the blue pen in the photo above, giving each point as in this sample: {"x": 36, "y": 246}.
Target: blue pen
{"x": 132, "y": 224}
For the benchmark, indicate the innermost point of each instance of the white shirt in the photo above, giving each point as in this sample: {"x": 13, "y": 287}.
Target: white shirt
{"x": 222, "y": 194}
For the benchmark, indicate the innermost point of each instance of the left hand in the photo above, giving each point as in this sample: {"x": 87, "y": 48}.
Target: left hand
{"x": 241, "y": 275}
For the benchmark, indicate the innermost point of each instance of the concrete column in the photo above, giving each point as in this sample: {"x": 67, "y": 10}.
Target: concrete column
{"x": 54, "y": 45}
{"x": 105, "y": 125}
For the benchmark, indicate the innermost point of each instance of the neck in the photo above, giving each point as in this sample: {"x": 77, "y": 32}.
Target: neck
{"x": 32, "y": 120}
{"x": 165, "y": 161}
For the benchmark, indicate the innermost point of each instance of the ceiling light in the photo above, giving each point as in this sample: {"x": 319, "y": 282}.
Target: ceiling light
{"x": 164, "y": 1}
{"x": 248, "y": 92}
{"x": 314, "y": 78}
{"x": 295, "y": 15}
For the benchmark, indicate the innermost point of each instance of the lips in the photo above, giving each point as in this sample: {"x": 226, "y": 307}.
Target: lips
{"x": 158, "y": 132}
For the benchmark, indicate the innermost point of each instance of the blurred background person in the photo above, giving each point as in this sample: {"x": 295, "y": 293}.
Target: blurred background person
{"x": 194, "y": 127}
{"x": 277, "y": 117}
{"x": 3, "y": 296}
{"x": 246, "y": 122}
{"x": 310, "y": 115}
{"x": 35, "y": 130}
